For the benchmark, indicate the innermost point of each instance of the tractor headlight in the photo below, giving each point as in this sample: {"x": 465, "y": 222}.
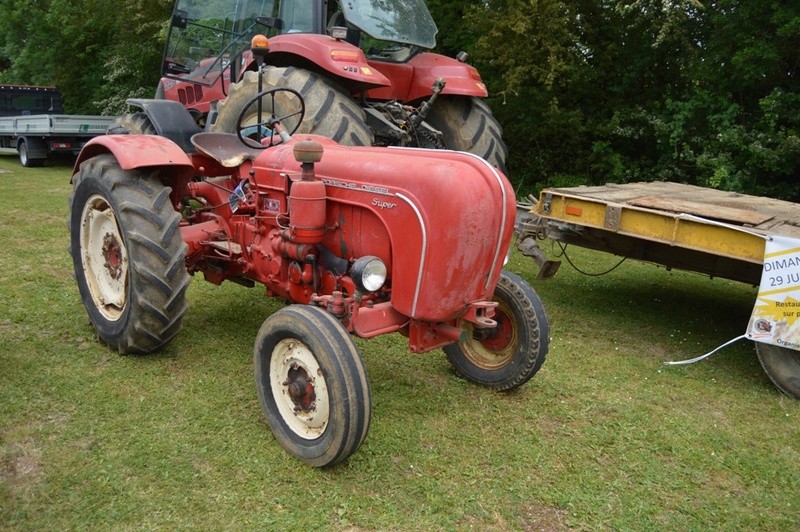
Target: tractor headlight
{"x": 369, "y": 273}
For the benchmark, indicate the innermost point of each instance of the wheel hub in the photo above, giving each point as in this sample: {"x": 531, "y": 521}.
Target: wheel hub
{"x": 301, "y": 389}
{"x": 104, "y": 258}
{"x": 491, "y": 349}
{"x": 112, "y": 254}
{"x": 497, "y": 338}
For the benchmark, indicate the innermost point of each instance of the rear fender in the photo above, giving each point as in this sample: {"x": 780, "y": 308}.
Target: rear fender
{"x": 338, "y": 58}
{"x": 136, "y": 152}
{"x": 412, "y": 81}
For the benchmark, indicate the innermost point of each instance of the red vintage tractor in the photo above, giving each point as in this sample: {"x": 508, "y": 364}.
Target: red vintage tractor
{"x": 363, "y": 241}
{"x": 361, "y": 65}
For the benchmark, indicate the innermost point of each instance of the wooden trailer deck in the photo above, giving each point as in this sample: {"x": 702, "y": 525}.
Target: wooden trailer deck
{"x": 679, "y": 226}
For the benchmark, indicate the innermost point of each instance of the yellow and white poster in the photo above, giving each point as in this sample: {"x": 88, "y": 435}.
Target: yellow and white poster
{"x": 776, "y": 314}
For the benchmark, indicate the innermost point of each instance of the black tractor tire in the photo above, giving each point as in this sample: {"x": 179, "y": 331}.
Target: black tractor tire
{"x": 132, "y": 124}
{"x": 128, "y": 255}
{"x": 782, "y": 366}
{"x": 467, "y": 124}
{"x": 25, "y": 159}
{"x": 312, "y": 385}
{"x": 330, "y": 111}
{"x": 509, "y": 355}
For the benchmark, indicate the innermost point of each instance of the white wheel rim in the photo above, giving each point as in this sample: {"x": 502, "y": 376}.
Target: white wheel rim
{"x": 104, "y": 258}
{"x": 293, "y": 365}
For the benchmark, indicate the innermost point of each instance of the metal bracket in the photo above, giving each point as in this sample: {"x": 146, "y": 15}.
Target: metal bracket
{"x": 480, "y": 314}
{"x": 613, "y": 215}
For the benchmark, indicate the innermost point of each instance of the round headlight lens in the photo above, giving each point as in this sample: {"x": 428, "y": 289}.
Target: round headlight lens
{"x": 369, "y": 273}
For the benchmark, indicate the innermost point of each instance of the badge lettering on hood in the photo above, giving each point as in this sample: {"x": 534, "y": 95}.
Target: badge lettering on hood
{"x": 383, "y": 204}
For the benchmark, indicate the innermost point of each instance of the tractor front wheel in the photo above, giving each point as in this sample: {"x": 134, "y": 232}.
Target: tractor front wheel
{"x": 782, "y": 366}
{"x": 312, "y": 385}
{"x": 507, "y": 356}
{"x": 128, "y": 255}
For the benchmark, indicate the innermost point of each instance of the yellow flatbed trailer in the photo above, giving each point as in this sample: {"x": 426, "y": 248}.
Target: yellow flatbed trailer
{"x": 709, "y": 231}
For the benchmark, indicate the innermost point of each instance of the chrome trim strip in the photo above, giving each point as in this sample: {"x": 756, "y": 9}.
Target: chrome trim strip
{"x": 424, "y": 252}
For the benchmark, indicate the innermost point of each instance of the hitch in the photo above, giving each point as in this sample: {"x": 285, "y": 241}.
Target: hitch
{"x": 425, "y": 107}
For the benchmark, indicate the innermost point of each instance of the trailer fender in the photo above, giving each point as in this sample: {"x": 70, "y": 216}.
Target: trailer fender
{"x": 140, "y": 151}
{"x": 37, "y": 147}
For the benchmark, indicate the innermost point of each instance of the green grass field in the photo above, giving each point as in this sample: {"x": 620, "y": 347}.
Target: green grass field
{"x": 604, "y": 436}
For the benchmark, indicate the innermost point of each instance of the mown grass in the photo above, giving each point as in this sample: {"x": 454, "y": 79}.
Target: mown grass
{"x": 604, "y": 436}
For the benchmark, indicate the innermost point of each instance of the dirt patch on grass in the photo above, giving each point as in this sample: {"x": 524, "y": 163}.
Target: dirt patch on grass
{"x": 20, "y": 465}
{"x": 541, "y": 518}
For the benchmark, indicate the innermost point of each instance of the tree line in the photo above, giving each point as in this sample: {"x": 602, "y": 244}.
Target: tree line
{"x": 705, "y": 92}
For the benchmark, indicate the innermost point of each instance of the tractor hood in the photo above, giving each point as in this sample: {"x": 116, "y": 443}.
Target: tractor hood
{"x": 441, "y": 220}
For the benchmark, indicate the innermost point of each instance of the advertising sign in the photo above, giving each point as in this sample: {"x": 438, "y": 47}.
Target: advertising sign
{"x": 776, "y": 314}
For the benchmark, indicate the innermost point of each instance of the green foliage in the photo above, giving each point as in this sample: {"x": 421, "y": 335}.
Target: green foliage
{"x": 97, "y": 57}
{"x": 612, "y": 91}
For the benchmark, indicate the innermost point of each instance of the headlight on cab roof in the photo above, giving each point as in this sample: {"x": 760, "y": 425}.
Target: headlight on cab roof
{"x": 368, "y": 273}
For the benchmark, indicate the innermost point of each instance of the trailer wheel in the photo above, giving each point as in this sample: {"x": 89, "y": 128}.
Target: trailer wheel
{"x": 331, "y": 112}
{"x": 507, "y": 356}
{"x": 128, "y": 255}
{"x": 312, "y": 385}
{"x": 25, "y": 159}
{"x": 467, "y": 124}
{"x": 782, "y": 366}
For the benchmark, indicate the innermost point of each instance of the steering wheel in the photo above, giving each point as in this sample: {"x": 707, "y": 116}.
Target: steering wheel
{"x": 252, "y": 135}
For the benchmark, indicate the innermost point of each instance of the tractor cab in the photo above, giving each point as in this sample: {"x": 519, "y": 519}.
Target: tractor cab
{"x": 207, "y": 40}
{"x": 363, "y": 67}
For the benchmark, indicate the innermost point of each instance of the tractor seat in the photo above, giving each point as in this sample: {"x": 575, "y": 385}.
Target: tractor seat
{"x": 225, "y": 148}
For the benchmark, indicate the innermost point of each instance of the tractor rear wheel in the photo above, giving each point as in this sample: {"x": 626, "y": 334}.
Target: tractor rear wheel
{"x": 132, "y": 124}
{"x": 128, "y": 255}
{"x": 467, "y": 124}
{"x": 312, "y": 385}
{"x": 507, "y": 356}
{"x": 782, "y": 366}
{"x": 331, "y": 112}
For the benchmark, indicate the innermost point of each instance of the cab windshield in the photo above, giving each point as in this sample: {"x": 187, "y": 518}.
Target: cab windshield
{"x": 396, "y": 21}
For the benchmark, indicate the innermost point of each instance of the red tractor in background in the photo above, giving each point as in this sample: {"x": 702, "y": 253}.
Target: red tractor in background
{"x": 364, "y": 241}
{"x": 361, "y": 66}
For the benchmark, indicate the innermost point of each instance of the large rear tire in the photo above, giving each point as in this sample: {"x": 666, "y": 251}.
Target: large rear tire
{"x": 782, "y": 366}
{"x": 312, "y": 385}
{"x": 331, "y": 112}
{"x": 507, "y": 356}
{"x": 467, "y": 124}
{"x": 132, "y": 124}
{"x": 128, "y": 255}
